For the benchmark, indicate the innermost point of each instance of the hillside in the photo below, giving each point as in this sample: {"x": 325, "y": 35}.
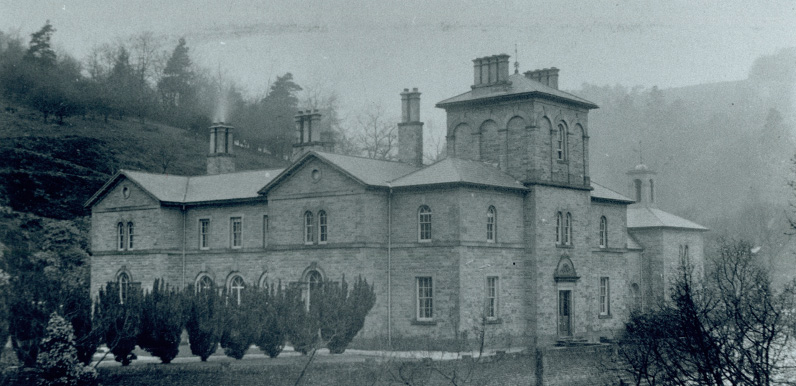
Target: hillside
{"x": 50, "y": 170}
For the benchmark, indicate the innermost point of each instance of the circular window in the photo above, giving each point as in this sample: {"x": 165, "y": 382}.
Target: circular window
{"x": 316, "y": 175}
{"x": 126, "y": 192}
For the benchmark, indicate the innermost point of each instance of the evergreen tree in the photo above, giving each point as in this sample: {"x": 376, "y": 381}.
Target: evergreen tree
{"x": 40, "y": 51}
{"x": 58, "y": 364}
{"x": 272, "y": 307}
{"x": 356, "y": 306}
{"x": 117, "y": 319}
{"x": 176, "y": 85}
{"x": 161, "y": 322}
{"x": 204, "y": 321}
{"x": 278, "y": 109}
{"x": 239, "y": 325}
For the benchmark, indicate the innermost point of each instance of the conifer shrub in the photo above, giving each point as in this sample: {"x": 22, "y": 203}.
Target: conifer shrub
{"x": 356, "y": 305}
{"x": 270, "y": 320}
{"x": 239, "y": 328}
{"x": 57, "y": 363}
{"x": 161, "y": 322}
{"x": 77, "y": 310}
{"x": 204, "y": 321}
{"x": 302, "y": 324}
{"x": 117, "y": 319}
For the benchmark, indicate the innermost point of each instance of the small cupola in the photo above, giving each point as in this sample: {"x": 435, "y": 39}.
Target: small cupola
{"x": 642, "y": 185}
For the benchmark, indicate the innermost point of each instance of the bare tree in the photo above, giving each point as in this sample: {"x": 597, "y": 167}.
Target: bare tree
{"x": 732, "y": 328}
{"x": 377, "y": 134}
{"x": 438, "y": 144}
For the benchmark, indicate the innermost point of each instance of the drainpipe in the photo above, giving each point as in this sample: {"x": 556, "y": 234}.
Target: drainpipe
{"x": 389, "y": 268}
{"x": 183, "y": 247}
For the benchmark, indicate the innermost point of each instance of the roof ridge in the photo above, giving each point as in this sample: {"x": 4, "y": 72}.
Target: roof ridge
{"x": 323, "y": 153}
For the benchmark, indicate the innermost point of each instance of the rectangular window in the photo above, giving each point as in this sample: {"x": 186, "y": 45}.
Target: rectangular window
{"x": 204, "y": 233}
{"x": 120, "y": 236}
{"x": 491, "y": 297}
{"x": 322, "y": 227}
{"x": 605, "y": 297}
{"x": 236, "y": 229}
{"x": 425, "y": 298}
{"x": 265, "y": 231}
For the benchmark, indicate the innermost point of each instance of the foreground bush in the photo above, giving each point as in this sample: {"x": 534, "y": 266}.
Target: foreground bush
{"x": 239, "y": 324}
{"x": 57, "y": 362}
{"x": 204, "y": 321}
{"x": 302, "y": 325}
{"x": 161, "y": 322}
{"x": 270, "y": 321}
{"x": 118, "y": 321}
{"x": 354, "y": 307}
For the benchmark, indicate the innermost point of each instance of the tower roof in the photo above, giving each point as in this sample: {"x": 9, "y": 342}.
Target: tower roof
{"x": 518, "y": 86}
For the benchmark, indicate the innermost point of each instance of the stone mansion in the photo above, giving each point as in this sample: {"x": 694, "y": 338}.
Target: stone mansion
{"x": 507, "y": 234}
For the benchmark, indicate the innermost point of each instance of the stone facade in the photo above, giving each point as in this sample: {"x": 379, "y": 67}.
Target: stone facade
{"x": 521, "y": 244}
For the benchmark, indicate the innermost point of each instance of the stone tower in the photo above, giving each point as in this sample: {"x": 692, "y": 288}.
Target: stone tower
{"x": 221, "y": 160}
{"x": 410, "y": 129}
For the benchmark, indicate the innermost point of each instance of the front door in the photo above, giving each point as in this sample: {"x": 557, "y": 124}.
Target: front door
{"x": 564, "y": 313}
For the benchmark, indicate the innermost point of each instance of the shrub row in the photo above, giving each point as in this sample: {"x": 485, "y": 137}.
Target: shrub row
{"x": 267, "y": 317}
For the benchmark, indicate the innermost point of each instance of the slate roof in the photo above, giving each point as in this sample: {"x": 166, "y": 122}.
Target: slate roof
{"x": 369, "y": 171}
{"x": 520, "y": 85}
{"x": 647, "y": 217}
{"x": 456, "y": 170}
{"x": 188, "y": 190}
{"x": 602, "y": 193}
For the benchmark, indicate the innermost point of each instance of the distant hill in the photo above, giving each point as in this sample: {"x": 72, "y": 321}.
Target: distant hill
{"x": 50, "y": 170}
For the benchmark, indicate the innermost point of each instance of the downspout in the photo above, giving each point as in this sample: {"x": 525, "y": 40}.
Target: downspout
{"x": 389, "y": 268}
{"x": 183, "y": 246}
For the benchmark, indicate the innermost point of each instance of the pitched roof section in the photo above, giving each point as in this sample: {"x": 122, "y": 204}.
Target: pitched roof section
{"x": 456, "y": 170}
{"x": 369, "y": 171}
{"x": 646, "y": 217}
{"x": 600, "y": 192}
{"x": 520, "y": 85}
{"x": 189, "y": 190}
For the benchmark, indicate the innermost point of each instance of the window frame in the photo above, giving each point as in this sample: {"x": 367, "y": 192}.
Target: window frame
{"x": 204, "y": 233}
{"x": 309, "y": 227}
{"x": 265, "y": 230}
{"x": 121, "y": 239}
{"x": 236, "y": 290}
{"x": 492, "y": 302}
{"x": 233, "y": 233}
{"x": 424, "y": 303}
{"x": 491, "y": 224}
{"x": 561, "y": 143}
{"x": 198, "y": 284}
{"x": 559, "y": 228}
{"x": 322, "y": 227}
{"x": 123, "y": 281}
{"x": 603, "y": 232}
{"x": 424, "y": 221}
{"x": 130, "y": 235}
{"x": 568, "y": 229}
{"x": 604, "y": 296}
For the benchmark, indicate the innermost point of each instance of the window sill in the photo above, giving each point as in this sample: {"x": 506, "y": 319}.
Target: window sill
{"x": 565, "y": 246}
{"x": 238, "y": 247}
{"x": 424, "y": 322}
{"x": 605, "y": 316}
{"x": 562, "y": 161}
{"x": 493, "y": 321}
{"x": 424, "y": 241}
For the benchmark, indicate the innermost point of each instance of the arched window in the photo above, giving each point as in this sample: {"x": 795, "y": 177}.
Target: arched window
{"x": 637, "y": 184}
{"x": 120, "y": 242}
{"x": 314, "y": 283}
{"x": 309, "y": 236}
{"x": 561, "y": 143}
{"x": 424, "y": 223}
{"x": 559, "y": 228}
{"x": 491, "y": 217}
{"x": 236, "y": 286}
{"x": 568, "y": 230}
{"x": 204, "y": 283}
{"x": 322, "y": 227}
{"x": 124, "y": 286}
{"x": 603, "y": 232}
{"x": 130, "y": 233}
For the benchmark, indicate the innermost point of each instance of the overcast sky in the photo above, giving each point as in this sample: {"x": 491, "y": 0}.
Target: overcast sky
{"x": 370, "y": 50}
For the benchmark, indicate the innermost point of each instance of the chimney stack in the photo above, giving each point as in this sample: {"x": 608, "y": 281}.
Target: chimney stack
{"x": 310, "y": 133}
{"x": 410, "y": 130}
{"x": 221, "y": 159}
{"x": 545, "y": 76}
{"x": 491, "y": 70}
